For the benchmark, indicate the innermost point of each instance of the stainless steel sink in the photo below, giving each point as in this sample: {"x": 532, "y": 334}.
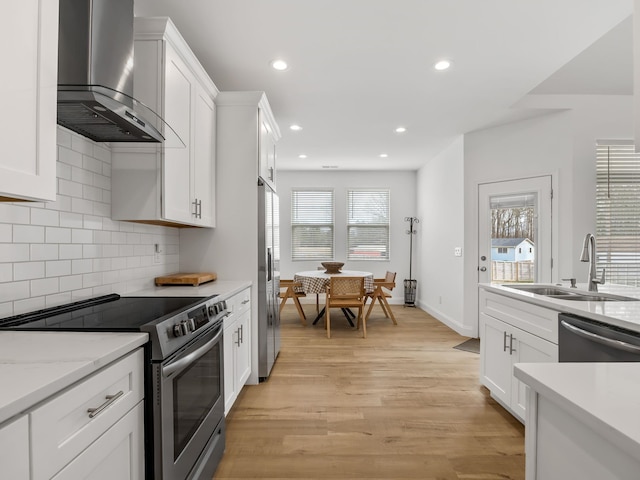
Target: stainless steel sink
{"x": 539, "y": 289}
{"x": 560, "y": 293}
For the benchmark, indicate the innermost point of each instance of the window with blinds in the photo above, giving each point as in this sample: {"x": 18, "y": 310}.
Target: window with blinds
{"x": 312, "y": 224}
{"x": 618, "y": 212}
{"x": 368, "y": 224}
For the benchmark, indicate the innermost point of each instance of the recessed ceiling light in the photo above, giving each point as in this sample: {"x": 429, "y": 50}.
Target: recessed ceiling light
{"x": 384, "y": 155}
{"x": 279, "y": 65}
{"x": 442, "y": 65}
{"x": 302, "y": 155}
{"x": 401, "y": 129}
{"x": 295, "y": 128}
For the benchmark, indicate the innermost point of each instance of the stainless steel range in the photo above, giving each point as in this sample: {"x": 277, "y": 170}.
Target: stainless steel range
{"x": 184, "y": 398}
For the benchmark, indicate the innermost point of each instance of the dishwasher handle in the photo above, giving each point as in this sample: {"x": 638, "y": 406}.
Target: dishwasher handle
{"x": 617, "y": 344}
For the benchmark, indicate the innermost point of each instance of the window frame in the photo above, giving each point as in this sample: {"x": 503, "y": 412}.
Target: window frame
{"x": 297, "y": 256}
{"x": 350, "y": 193}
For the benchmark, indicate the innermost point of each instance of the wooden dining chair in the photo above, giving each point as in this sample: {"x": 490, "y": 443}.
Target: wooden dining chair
{"x": 381, "y": 291}
{"x": 293, "y": 290}
{"x": 345, "y": 292}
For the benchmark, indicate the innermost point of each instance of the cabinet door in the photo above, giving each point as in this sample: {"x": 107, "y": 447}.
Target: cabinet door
{"x": 14, "y": 449}
{"x": 229, "y": 339}
{"x": 179, "y": 85}
{"x": 267, "y": 152}
{"x": 243, "y": 350}
{"x": 29, "y": 50}
{"x": 118, "y": 453}
{"x": 204, "y": 158}
{"x": 495, "y": 360}
{"x": 529, "y": 349}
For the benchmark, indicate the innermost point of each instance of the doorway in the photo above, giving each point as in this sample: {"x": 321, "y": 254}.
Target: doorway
{"x": 514, "y": 231}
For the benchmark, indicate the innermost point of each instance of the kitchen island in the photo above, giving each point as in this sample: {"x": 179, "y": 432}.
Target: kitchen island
{"x": 581, "y": 418}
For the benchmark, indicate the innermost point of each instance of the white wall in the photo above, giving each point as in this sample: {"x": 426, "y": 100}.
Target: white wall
{"x": 59, "y": 252}
{"x": 440, "y": 200}
{"x": 402, "y": 186}
{"x": 561, "y": 144}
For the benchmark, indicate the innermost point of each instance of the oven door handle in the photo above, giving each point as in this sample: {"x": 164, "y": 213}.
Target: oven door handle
{"x": 192, "y": 357}
{"x": 617, "y": 344}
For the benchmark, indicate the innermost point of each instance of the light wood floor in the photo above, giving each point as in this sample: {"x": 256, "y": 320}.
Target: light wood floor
{"x": 400, "y": 404}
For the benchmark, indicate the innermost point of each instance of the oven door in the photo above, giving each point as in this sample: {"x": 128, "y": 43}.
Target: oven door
{"x": 188, "y": 421}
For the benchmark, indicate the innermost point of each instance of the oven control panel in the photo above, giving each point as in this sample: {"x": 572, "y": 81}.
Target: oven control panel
{"x": 198, "y": 318}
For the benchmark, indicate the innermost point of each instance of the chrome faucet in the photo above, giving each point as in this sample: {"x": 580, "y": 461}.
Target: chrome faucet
{"x": 589, "y": 255}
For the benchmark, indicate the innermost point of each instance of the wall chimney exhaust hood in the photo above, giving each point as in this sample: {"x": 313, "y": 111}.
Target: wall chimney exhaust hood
{"x": 95, "y": 74}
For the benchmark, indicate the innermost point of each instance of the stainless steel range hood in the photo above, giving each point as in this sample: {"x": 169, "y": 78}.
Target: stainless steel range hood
{"x": 95, "y": 73}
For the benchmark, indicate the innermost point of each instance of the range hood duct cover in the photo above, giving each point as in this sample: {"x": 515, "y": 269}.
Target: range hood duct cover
{"x": 95, "y": 73}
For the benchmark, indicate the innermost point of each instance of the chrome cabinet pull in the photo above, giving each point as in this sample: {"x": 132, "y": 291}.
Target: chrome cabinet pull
{"x": 504, "y": 342}
{"x": 110, "y": 399}
{"x": 244, "y": 302}
{"x": 511, "y": 349}
{"x": 241, "y": 333}
{"x": 237, "y": 342}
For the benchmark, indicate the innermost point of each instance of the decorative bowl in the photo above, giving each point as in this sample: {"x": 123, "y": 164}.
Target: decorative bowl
{"x": 332, "y": 267}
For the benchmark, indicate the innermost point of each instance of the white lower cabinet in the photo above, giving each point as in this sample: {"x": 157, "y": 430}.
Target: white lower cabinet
{"x": 118, "y": 453}
{"x": 237, "y": 346}
{"x": 502, "y": 346}
{"x": 14, "y": 449}
{"x": 93, "y": 429}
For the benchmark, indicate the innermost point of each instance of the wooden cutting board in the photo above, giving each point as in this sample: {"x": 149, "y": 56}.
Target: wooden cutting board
{"x": 194, "y": 279}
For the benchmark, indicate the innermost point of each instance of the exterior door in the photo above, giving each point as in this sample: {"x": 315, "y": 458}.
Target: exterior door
{"x": 514, "y": 231}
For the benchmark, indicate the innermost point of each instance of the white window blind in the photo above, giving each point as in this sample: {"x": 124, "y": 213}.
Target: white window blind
{"x": 618, "y": 212}
{"x": 312, "y": 224}
{"x": 368, "y": 225}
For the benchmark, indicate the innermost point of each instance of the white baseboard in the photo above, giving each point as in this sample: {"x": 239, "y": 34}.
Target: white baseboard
{"x": 459, "y": 328}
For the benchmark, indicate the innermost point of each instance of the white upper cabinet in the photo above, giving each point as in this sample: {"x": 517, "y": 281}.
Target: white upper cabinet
{"x": 29, "y": 51}
{"x": 250, "y": 134}
{"x": 171, "y": 184}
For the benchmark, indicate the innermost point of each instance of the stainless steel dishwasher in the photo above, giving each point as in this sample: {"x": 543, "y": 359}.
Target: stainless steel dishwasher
{"x": 584, "y": 340}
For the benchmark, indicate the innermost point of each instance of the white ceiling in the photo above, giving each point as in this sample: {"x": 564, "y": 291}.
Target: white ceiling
{"x": 360, "y": 68}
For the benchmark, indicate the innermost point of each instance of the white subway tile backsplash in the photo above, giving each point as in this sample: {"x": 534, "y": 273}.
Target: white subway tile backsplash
{"x": 28, "y": 305}
{"x": 102, "y": 209}
{"x": 28, "y": 270}
{"x": 28, "y": 234}
{"x": 14, "y": 291}
{"x": 57, "y": 235}
{"x": 91, "y": 280}
{"x": 70, "y": 283}
{"x": 6, "y": 273}
{"x": 44, "y": 286}
{"x": 69, "y": 157}
{"x": 10, "y": 213}
{"x": 81, "y": 236}
{"x": 92, "y": 222}
{"x": 6, "y": 233}
{"x": 81, "y": 266}
{"x": 42, "y": 216}
{"x": 43, "y": 251}
{"x": 10, "y": 252}
{"x": 71, "y": 220}
{"x": 92, "y": 164}
{"x": 67, "y": 250}
{"x": 58, "y": 268}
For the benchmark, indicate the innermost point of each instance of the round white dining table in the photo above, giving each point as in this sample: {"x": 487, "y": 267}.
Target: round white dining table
{"x": 316, "y": 281}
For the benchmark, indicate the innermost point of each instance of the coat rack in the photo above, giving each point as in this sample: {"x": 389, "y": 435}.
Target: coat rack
{"x": 410, "y": 285}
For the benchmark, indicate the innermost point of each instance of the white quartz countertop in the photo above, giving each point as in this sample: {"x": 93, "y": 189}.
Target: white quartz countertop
{"x": 603, "y": 396}
{"x": 222, "y": 288}
{"x": 625, "y": 314}
{"x": 36, "y": 365}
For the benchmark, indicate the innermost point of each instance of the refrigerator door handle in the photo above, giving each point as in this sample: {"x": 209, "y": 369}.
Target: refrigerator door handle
{"x": 269, "y": 265}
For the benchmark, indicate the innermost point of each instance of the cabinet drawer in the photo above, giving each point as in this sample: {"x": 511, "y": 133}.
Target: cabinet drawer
{"x": 240, "y": 302}
{"x": 62, "y": 427}
{"x": 539, "y": 321}
{"x": 14, "y": 449}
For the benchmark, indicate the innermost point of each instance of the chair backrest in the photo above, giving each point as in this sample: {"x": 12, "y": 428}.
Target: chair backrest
{"x": 346, "y": 287}
{"x": 390, "y": 277}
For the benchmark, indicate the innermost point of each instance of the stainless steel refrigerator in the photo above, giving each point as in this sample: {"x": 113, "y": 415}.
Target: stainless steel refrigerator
{"x": 268, "y": 279}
